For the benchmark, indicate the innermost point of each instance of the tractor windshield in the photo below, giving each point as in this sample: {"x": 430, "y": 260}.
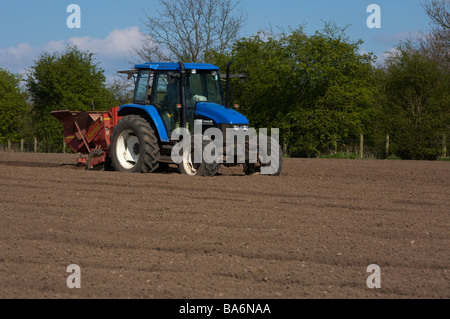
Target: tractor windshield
{"x": 203, "y": 86}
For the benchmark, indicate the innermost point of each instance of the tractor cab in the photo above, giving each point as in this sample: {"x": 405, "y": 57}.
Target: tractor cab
{"x": 181, "y": 93}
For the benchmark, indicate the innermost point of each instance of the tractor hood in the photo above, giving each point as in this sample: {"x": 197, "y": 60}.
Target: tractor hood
{"x": 220, "y": 114}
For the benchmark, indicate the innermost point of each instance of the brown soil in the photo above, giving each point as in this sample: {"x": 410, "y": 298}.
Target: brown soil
{"x": 309, "y": 233}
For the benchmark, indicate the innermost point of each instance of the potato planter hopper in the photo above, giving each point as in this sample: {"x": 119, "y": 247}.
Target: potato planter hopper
{"x": 89, "y": 133}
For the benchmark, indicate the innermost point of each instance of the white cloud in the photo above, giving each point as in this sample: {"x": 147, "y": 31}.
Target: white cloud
{"x": 382, "y": 57}
{"x": 396, "y": 37}
{"x": 15, "y": 59}
{"x": 111, "y": 52}
{"x": 117, "y": 43}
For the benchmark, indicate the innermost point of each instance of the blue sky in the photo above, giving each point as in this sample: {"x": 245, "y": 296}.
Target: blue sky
{"x": 110, "y": 28}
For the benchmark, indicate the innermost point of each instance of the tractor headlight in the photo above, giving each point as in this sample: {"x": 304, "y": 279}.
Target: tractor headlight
{"x": 240, "y": 128}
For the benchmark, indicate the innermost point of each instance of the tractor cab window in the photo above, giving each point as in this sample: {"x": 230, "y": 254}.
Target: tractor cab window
{"x": 202, "y": 86}
{"x": 143, "y": 87}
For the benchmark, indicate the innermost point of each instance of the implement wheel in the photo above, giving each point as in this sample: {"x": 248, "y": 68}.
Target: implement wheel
{"x": 92, "y": 156}
{"x": 134, "y": 146}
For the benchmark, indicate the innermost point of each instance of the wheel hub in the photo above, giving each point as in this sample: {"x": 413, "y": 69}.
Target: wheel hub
{"x": 128, "y": 149}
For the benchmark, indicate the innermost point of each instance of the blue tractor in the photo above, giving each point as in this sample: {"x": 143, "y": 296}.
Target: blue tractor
{"x": 169, "y": 97}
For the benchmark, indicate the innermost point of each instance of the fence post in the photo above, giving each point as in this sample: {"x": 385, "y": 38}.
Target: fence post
{"x": 444, "y": 145}
{"x": 64, "y": 145}
{"x": 361, "y": 146}
{"x": 335, "y": 143}
{"x": 35, "y": 145}
{"x": 387, "y": 146}
{"x": 21, "y": 144}
{"x": 9, "y": 145}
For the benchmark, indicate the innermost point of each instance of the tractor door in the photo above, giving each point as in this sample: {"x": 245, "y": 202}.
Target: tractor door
{"x": 166, "y": 99}
{"x": 142, "y": 92}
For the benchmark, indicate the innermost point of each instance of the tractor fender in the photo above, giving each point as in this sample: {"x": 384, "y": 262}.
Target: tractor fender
{"x": 150, "y": 113}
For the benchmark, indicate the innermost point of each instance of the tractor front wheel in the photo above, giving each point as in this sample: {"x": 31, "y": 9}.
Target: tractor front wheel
{"x": 134, "y": 146}
{"x": 188, "y": 165}
{"x": 275, "y": 153}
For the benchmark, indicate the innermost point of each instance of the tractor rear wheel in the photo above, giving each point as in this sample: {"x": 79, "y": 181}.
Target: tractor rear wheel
{"x": 189, "y": 167}
{"x": 134, "y": 146}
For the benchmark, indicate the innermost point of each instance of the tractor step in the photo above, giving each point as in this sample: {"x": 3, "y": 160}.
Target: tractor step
{"x": 165, "y": 159}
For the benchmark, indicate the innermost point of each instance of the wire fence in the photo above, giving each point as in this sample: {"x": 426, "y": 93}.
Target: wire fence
{"x": 363, "y": 148}
{"x": 351, "y": 148}
{"x": 32, "y": 145}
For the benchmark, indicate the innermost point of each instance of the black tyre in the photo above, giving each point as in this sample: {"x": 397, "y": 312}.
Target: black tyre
{"x": 164, "y": 168}
{"x": 188, "y": 167}
{"x": 134, "y": 146}
{"x": 252, "y": 168}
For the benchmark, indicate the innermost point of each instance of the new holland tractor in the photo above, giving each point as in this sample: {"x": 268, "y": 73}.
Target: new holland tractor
{"x": 170, "y": 98}
{"x": 179, "y": 115}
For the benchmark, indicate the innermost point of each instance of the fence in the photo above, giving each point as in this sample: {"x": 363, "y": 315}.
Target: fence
{"x": 29, "y": 146}
{"x": 369, "y": 148}
{"x": 380, "y": 148}
{"x": 360, "y": 149}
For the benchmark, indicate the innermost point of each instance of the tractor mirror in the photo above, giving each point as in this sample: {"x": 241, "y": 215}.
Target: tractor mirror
{"x": 172, "y": 77}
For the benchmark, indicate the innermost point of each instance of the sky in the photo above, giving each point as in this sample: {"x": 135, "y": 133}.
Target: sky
{"x": 111, "y": 28}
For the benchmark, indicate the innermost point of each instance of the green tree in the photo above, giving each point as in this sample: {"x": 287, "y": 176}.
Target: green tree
{"x": 13, "y": 107}
{"x": 70, "y": 80}
{"x": 317, "y": 89}
{"x": 122, "y": 90}
{"x": 416, "y": 103}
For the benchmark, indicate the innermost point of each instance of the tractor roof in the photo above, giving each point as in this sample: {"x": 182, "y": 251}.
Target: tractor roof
{"x": 175, "y": 66}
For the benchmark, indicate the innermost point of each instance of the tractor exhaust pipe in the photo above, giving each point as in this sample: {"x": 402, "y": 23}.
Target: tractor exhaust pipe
{"x": 182, "y": 94}
{"x": 228, "y": 83}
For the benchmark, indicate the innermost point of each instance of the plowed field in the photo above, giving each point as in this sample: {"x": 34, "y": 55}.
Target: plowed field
{"x": 309, "y": 233}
